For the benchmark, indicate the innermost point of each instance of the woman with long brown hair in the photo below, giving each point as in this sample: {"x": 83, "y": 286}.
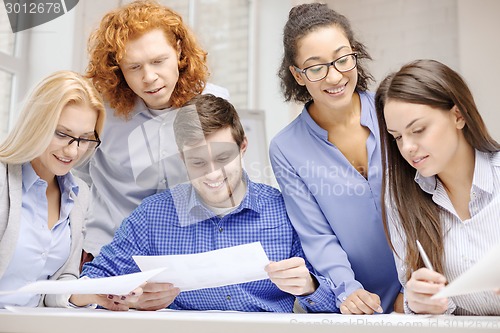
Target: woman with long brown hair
{"x": 442, "y": 185}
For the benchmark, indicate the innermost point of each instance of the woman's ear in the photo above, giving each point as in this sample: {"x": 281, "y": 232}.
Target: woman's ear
{"x": 297, "y": 76}
{"x": 458, "y": 118}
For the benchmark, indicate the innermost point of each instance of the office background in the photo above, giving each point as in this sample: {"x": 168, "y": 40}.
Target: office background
{"x": 243, "y": 38}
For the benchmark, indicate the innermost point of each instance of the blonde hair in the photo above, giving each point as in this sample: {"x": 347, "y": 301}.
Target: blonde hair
{"x": 37, "y": 122}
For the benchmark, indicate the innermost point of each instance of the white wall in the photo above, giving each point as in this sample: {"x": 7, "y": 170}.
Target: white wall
{"x": 51, "y": 48}
{"x": 479, "y": 50}
{"x": 270, "y": 19}
{"x": 460, "y": 33}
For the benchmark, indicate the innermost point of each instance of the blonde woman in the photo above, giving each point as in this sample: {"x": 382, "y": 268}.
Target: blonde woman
{"x": 42, "y": 206}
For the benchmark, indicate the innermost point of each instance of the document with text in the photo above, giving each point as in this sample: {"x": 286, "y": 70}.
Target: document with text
{"x": 232, "y": 265}
{"x": 114, "y": 285}
{"x": 483, "y": 276}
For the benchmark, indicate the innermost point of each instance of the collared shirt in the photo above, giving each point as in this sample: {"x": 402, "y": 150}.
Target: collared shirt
{"x": 39, "y": 252}
{"x": 176, "y": 222}
{"x": 465, "y": 242}
{"x": 138, "y": 157}
{"x": 335, "y": 210}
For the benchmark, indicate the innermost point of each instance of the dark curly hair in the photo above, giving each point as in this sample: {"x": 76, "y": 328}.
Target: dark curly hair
{"x": 302, "y": 20}
{"x": 107, "y": 47}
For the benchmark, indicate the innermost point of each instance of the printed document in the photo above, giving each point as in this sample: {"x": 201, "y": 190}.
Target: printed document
{"x": 232, "y": 265}
{"x": 114, "y": 285}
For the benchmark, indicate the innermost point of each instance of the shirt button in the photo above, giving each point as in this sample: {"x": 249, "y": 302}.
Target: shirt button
{"x": 221, "y": 229}
{"x": 228, "y": 297}
{"x": 310, "y": 301}
{"x": 44, "y": 255}
{"x": 344, "y": 298}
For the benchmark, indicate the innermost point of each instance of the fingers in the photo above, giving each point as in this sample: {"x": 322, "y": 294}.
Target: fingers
{"x": 286, "y": 269}
{"x": 152, "y": 287}
{"x": 156, "y": 296}
{"x": 425, "y": 274}
{"x": 114, "y": 302}
{"x": 286, "y": 264}
{"x": 361, "y": 302}
{"x": 422, "y": 285}
{"x": 292, "y": 276}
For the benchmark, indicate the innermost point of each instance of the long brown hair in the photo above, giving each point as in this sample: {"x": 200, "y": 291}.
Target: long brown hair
{"x": 425, "y": 82}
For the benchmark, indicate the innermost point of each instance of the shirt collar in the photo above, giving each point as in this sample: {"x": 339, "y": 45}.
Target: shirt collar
{"x": 30, "y": 178}
{"x": 194, "y": 211}
{"x": 141, "y": 108}
{"x": 482, "y": 172}
{"x": 366, "y": 100}
{"x": 481, "y": 179}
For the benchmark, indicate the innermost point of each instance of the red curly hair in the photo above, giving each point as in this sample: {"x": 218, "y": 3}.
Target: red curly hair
{"x": 107, "y": 47}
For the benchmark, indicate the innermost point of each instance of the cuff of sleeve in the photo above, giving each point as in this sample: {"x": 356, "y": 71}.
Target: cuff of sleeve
{"x": 321, "y": 300}
{"x": 344, "y": 290}
{"x": 73, "y": 306}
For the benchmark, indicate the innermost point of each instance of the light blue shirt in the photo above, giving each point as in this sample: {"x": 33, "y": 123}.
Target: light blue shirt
{"x": 335, "y": 210}
{"x": 39, "y": 252}
{"x": 138, "y": 157}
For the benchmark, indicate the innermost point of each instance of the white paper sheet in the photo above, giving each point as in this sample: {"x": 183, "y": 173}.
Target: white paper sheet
{"x": 115, "y": 285}
{"x": 238, "y": 264}
{"x": 483, "y": 276}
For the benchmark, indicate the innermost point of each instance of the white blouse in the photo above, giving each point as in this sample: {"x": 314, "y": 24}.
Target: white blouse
{"x": 465, "y": 242}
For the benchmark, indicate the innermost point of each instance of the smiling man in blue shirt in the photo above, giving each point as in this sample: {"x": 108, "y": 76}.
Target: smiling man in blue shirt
{"x": 219, "y": 207}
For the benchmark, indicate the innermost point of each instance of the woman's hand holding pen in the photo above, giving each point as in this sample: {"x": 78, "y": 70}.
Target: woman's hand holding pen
{"x": 423, "y": 284}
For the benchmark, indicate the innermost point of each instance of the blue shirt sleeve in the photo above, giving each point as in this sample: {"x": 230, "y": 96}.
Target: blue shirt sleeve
{"x": 316, "y": 234}
{"x": 115, "y": 258}
{"x": 323, "y": 298}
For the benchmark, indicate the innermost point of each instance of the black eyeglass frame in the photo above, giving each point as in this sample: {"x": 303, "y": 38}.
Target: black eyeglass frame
{"x": 73, "y": 139}
{"x": 329, "y": 64}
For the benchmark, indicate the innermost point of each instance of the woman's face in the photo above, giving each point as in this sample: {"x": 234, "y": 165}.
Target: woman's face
{"x": 77, "y": 120}
{"x": 321, "y": 46}
{"x": 427, "y": 137}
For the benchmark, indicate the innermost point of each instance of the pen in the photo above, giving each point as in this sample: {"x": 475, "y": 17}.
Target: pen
{"x": 424, "y": 256}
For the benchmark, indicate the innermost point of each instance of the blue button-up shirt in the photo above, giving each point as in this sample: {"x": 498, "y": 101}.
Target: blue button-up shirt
{"x": 40, "y": 251}
{"x": 335, "y": 210}
{"x": 138, "y": 157}
{"x": 176, "y": 222}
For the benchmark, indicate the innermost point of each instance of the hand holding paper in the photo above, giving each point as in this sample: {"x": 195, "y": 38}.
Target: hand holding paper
{"x": 483, "y": 276}
{"x": 237, "y": 264}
